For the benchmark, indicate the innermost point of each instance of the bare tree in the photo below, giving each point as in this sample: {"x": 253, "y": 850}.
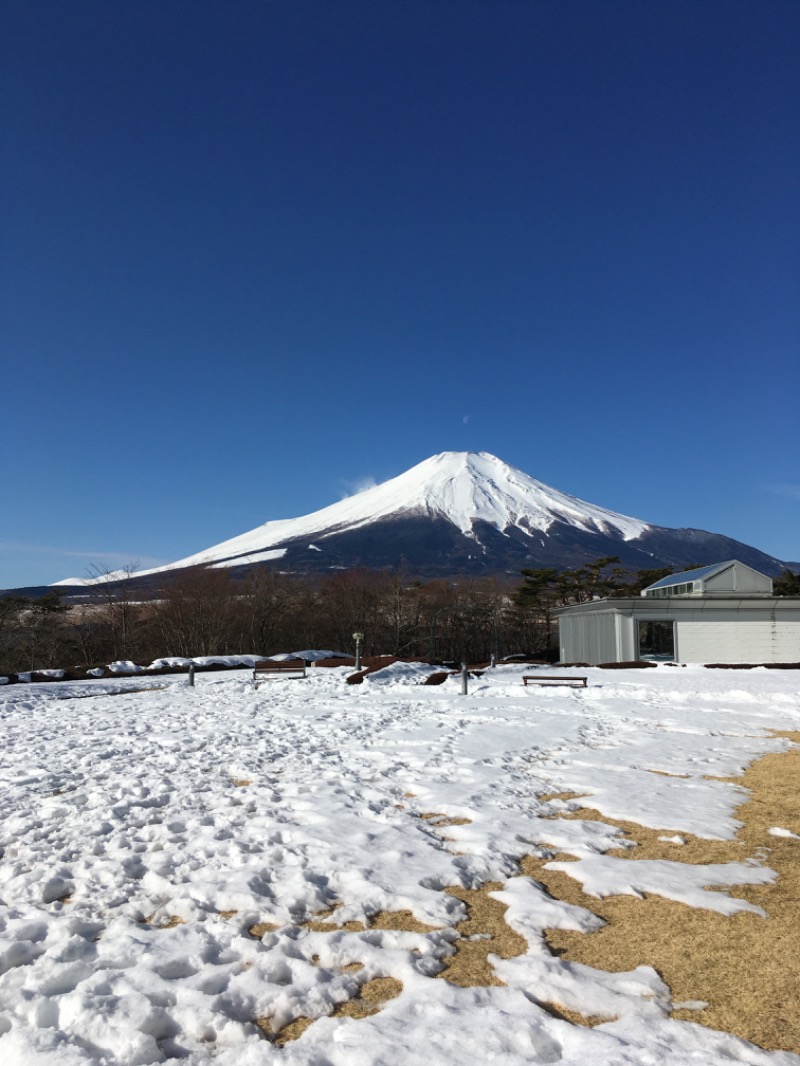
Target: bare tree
{"x": 266, "y": 603}
{"x": 195, "y": 612}
{"x": 117, "y": 606}
{"x": 42, "y": 632}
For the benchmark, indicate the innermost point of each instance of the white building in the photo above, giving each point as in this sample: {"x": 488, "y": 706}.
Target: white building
{"x": 725, "y": 613}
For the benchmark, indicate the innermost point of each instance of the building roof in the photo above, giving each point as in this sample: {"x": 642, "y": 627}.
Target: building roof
{"x": 699, "y": 574}
{"x": 706, "y": 607}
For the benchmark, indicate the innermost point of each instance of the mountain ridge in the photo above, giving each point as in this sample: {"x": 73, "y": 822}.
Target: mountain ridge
{"x": 461, "y": 512}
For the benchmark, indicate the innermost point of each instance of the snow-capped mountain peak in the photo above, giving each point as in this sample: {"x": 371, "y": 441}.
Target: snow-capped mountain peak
{"x": 469, "y": 490}
{"x": 468, "y": 487}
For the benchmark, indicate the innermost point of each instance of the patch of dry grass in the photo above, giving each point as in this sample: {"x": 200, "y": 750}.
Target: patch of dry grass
{"x": 401, "y": 921}
{"x": 170, "y": 922}
{"x": 372, "y": 994}
{"x": 259, "y": 929}
{"x": 289, "y": 1032}
{"x": 485, "y": 932}
{"x": 321, "y": 922}
{"x": 744, "y": 967}
{"x": 370, "y": 998}
{"x": 546, "y": 797}
{"x": 441, "y": 821}
{"x": 482, "y": 933}
{"x": 574, "y": 1017}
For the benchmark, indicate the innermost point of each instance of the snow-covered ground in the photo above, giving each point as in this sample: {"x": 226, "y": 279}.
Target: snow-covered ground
{"x": 144, "y": 832}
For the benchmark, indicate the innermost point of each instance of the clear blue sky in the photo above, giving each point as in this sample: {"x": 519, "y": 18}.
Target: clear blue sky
{"x": 258, "y": 252}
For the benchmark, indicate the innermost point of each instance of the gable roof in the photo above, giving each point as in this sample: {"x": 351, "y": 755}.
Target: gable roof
{"x": 701, "y": 573}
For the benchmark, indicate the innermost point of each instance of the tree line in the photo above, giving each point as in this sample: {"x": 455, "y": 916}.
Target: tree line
{"x": 202, "y": 611}
{"x": 206, "y": 612}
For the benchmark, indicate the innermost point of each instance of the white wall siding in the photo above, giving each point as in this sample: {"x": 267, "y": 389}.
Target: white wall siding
{"x": 736, "y": 641}
{"x": 739, "y": 629}
{"x": 628, "y": 638}
{"x": 739, "y": 578}
{"x": 786, "y": 642}
{"x": 590, "y": 639}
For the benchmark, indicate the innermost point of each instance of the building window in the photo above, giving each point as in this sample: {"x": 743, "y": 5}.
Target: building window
{"x": 657, "y": 641}
{"x": 686, "y": 588}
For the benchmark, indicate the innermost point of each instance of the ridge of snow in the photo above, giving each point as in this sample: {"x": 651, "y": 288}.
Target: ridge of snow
{"x": 461, "y": 487}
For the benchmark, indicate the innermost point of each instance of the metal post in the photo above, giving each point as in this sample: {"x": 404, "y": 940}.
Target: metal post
{"x": 358, "y": 637}
{"x": 463, "y": 679}
{"x": 191, "y": 675}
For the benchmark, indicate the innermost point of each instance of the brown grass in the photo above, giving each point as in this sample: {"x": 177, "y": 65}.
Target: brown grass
{"x": 330, "y": 927}
{"x": 321, "y": 922}
{"x": 401, "y": 921}
{"x": 349, "y": 967}
{"x": 442, "y": 820}
{"x": 289, "y": 1032}
{"x": 743, "y": 966}
{"x": 372, "y": 995}
{"x": 369, "y": 999}
{"x": 167, "y": 923}
{"x": 483, "y": 932}
{"x": 546, "y": 797}
{"x": 258, "y": 929}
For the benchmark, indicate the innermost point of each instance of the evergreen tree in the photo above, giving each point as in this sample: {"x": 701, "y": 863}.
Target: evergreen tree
{"x": 788, "y": 584}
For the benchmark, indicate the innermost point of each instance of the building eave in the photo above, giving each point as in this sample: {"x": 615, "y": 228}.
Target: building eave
{"x": 679, "y": 604}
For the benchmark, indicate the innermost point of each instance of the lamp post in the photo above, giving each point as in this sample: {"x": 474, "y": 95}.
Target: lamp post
{"x": 358, "y": 637}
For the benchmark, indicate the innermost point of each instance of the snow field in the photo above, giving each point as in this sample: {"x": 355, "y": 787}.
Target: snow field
{"x": 164, "y": 850}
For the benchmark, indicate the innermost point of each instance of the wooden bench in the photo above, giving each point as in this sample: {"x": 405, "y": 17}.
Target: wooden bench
{"x": 554, "y": 679}
{"x": 283, "y": 668}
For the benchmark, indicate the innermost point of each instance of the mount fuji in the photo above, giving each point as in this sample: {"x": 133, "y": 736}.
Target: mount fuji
{"x": 463, "y": 513}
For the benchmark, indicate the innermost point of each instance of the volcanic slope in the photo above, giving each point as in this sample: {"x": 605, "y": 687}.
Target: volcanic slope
{"x": 465, "y": 512}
